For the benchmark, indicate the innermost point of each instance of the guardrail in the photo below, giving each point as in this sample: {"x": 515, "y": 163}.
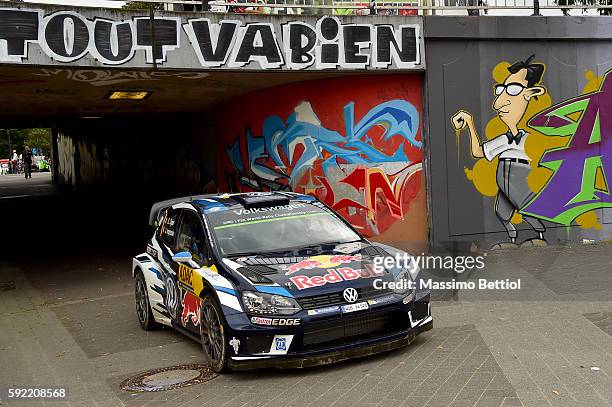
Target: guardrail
{"x": 385, "y": 7}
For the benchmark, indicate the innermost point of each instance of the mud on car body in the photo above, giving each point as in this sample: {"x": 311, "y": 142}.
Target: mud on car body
{"x": 272, "y": 279}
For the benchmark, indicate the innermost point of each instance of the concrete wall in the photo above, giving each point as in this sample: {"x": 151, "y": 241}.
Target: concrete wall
{"x": 327, "y": 137}
{"x": 354, "y": 142}
{"x": 89, "y": 37}
{"x": 566, "y": 190}
{"x": 160, "y": 157}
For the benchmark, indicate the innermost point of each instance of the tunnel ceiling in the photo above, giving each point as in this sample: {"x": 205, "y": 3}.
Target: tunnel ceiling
{"x": 43, "y": 95}
{"x": 59, "y": 62}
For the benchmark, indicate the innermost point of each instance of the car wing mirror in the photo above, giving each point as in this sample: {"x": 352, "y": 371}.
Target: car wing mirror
{"x": 182, "y": 257}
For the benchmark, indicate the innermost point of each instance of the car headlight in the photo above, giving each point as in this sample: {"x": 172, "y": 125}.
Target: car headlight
{"x": 405, "y": 286}
{"x": 403, "y": 282}
{"x": 269, "y": 304}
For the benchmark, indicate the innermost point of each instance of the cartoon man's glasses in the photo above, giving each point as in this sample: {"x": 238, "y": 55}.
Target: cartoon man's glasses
{"x": 511, "y": 89}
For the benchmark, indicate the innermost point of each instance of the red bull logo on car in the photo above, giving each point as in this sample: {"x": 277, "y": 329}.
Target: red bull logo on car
{"x": 191, "y": 309}
{"x": 335, "y": 276}
{"x": 324, "y": 261}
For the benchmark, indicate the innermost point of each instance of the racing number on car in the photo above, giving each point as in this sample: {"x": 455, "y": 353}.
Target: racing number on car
{"x": 185, "y": 275}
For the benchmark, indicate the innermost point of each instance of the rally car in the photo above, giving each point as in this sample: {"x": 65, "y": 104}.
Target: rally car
{"x": 273, "y": 279}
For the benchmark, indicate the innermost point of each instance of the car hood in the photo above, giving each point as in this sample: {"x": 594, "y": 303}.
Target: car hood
{"x": 330, "y": 269}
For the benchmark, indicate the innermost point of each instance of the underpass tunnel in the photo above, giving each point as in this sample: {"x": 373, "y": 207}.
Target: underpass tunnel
{"x": 180, "y": 133}
{"x": 142, "y": 108}
{"x": 112, "y": 158}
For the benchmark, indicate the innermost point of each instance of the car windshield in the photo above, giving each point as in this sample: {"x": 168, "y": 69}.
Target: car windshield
{"x": 257, "y": 230}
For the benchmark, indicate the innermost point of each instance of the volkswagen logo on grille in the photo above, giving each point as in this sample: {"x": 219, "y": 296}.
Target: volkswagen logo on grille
{"x": 350, "y": 294}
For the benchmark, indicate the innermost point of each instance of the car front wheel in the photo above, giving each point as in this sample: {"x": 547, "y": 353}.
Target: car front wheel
{"x": 143, "y": 308}
{"x": 212, "y": 335}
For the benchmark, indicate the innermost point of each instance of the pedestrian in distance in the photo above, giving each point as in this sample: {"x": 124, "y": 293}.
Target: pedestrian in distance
{"x": 26, "y": 156}
{"x": 14, "y": 162}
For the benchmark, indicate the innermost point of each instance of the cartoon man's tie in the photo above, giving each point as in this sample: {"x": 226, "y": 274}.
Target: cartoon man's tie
{"x": 516, "y": 139}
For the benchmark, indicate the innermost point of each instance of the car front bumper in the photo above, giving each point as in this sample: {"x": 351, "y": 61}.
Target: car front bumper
{"x": 309, "y": 359}
{"x": 319, "y": 341}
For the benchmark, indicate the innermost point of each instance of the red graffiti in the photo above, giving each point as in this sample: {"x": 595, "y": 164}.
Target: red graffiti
{"x": 353, "y": 143}
{"x": 382, "y": 192}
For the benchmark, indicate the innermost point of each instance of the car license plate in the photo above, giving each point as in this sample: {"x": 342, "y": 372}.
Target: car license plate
{"x": 354, "y": 307}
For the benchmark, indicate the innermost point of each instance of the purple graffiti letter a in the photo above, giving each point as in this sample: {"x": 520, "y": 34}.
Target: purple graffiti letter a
{"x": 572, "y": 190}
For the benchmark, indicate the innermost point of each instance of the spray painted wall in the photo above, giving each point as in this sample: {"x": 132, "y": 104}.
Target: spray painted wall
{"x": 163, "y": 157}
{"x": 354, "y": 142}
{"x": 65, "y": 155}
{"x": 519, "y": 132}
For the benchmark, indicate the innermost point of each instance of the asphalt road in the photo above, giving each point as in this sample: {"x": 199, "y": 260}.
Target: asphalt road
{"x": 15, "y": 186}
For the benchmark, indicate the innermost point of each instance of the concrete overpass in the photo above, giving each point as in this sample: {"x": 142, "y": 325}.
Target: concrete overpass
{"x": 72, "y": 59}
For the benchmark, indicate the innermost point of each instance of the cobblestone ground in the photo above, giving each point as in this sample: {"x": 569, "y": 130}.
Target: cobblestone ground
{"x": 72, "y": 323}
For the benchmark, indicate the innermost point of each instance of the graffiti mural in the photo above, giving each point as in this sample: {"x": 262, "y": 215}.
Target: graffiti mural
{"x": 578, "y": 183}
{"x": 104, "y": 38}
{"x": 360, "y": 150}
{"x": 552, "y": 172}
{"x": 110, "y": 78}
{"x": 512, "y": 98}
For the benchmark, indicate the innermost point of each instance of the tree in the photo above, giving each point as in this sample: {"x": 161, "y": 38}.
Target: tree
{"x": 139, "y": 5}
{"x": 17, "y": 137}
{"x": 39, "y": 138}
{"x": 35, "y": 138}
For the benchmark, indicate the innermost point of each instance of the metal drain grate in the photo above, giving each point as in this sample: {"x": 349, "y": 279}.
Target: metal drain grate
{"x": 7, "y": 286}
{"x": 168, "y": 378}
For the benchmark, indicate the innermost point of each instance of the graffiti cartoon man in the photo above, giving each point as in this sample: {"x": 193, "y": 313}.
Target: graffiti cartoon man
{"x": 511, "y": 102}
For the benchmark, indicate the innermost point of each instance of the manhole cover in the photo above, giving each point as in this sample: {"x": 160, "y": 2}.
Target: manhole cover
{"x": 7, "y": 285}
{"x": 168, "y": 378}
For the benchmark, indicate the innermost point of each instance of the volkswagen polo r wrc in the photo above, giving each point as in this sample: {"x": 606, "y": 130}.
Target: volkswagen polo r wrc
{"x": 273, "y": 279}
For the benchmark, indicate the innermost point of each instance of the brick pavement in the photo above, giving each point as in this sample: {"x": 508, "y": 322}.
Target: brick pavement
{"x": 535, "y": 347}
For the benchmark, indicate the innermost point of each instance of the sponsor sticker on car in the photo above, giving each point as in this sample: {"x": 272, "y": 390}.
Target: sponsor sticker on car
{"x": 191, "y": 309}
{"x": 360, "y": 306}
{"x": 276, "y": 321}
{"x": 185, "y": 275}
{"x": 326, "y": 310}
{"x": 333, "y": 276}
{"x": 151, "y": 251}
{"x": 280, "y": 344}
{"x": 321, "y": 261}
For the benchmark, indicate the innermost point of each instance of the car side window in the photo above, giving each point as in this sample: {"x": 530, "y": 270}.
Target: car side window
{"x": 191, "y": 238}
{"x": 168, "y": 225}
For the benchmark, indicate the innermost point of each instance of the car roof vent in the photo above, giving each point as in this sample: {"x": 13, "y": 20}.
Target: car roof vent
{"x": 253, "y": 276}
{"x": 261, "y": 200}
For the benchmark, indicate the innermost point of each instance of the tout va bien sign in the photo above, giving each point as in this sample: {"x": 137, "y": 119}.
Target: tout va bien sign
{"x": 326, "y": 43}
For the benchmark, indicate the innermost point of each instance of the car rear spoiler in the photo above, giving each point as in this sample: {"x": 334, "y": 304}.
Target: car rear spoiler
{"x": 160, "y": 206}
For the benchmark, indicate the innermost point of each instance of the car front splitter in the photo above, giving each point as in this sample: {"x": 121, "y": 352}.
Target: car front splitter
{"x": 296, "y": 362}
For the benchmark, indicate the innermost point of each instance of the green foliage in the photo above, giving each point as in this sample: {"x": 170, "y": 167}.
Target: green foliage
{"x": 139, "y": 5}
{"x": 35, "y": 138}
{"x": 39, "y": 138}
